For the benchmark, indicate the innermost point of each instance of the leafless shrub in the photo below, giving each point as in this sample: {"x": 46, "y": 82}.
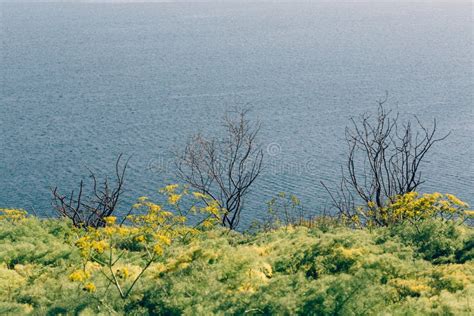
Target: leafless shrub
{"x": 384, "y": 159}
{"x": 90, "y": 210}
{"x": 224, "y": 168}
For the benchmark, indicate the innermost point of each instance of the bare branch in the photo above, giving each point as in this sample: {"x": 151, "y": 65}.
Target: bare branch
{"x": 91, "y": 210}
{"x": 383, "y": 160}
{"x": 224, "y": 168}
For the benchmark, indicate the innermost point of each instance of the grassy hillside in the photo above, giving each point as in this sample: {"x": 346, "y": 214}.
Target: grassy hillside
{"x": 326, "y": 270}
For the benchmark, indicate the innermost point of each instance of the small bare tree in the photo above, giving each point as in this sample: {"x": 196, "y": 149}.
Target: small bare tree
{"x": 224, "y": 168}
{"x": 90, "y": 211}
{"x": 384, "y": 159}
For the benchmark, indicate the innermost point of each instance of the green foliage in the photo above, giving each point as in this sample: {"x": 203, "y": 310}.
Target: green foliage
{"x": 285, "y": 210}
{"x": 397, "y": 270}
{"x": 35, "y": 242}
{"x": 436, "y": 240}
{"x": 145, "y": 238}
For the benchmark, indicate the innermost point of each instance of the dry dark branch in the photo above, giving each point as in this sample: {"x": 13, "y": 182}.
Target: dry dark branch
{"x": 224, "y": 168}
{"x": 383, "y": 161}
{"x": 90, "y": 211}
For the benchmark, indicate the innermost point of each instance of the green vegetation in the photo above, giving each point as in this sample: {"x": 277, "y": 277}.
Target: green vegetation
{"x": 321, "y": 268}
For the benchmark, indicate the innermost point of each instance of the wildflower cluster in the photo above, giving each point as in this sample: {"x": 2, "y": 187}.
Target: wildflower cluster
{"x": 146, "y": 233}
{"x": 12, "y": 215}
{"x": 197, "y": 203}
{"x": 409, "y": 287}
{"x": 413, "y": 207}
{"x": 83, "y": 276}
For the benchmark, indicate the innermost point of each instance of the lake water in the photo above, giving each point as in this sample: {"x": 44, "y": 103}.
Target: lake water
{"x": 82, "y": 83}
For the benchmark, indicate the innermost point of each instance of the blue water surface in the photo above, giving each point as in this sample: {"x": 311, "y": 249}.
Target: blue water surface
{"x": 82, "y": 83}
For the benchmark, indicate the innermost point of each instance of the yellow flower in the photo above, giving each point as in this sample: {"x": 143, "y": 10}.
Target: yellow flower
{"x": 436, "y": 195}
{"x": 140, "y": 238}
{"x": 207, "y": 223}
{"x": 110, "y": 220}
{"x": 469, "y": 213}
{"x": 213, "y": 208}
{"x": 99, "y": 246}
{"x": 356, "y": 219}
{"x": 109, "y": 230}
{"x": 83, "y": 242}
{"x": 409, "y": 287}
{"x": 199, "y": 195}
{"x": 164, "y": 239}
{"x": 174, "y": 198}
{"x": 89, "y": 287}
{"x": 12, "y": 215}
{"x": 157, "y": 249}
{"x": 123, "y": 231}
{"x": 170, "y": 188}
{"x": 155, "y": 208}
{"x": 166, "y": 214}
{"x": 142, "y": 198}
{"x": 180, "y": 219}
{"x": 79, "y": 276}
{"x": 456, "y": 201}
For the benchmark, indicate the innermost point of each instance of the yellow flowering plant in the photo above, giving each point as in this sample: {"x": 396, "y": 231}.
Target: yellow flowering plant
{"x": 145, "y": 233}
{"x": 412, "y": 207}
{"x": 12, "y": 215}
